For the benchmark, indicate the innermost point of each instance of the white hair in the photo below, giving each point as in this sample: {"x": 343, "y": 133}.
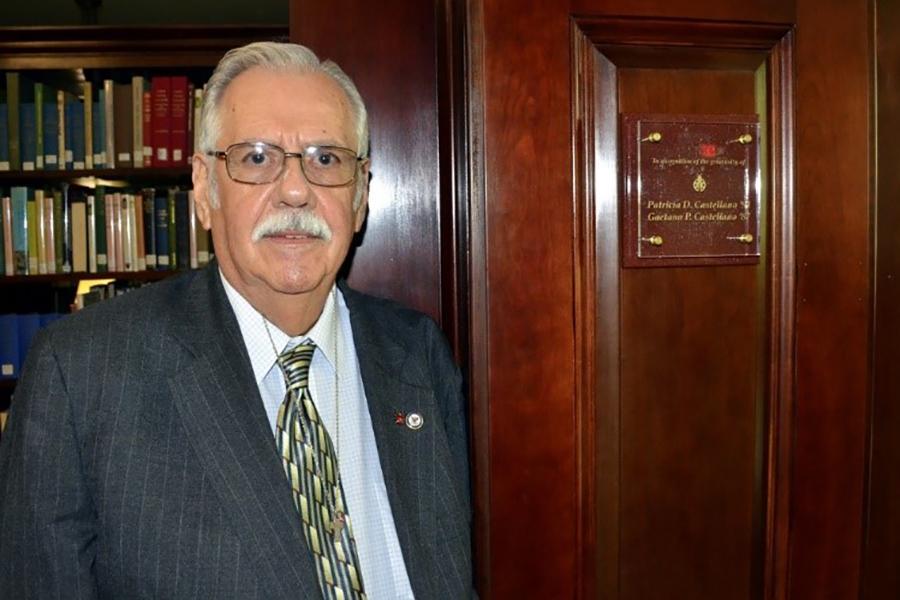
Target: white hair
{"x": 275, "y": 56}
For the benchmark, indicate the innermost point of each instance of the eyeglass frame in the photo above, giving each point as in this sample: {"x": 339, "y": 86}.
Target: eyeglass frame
{"x": 223, "y": 154}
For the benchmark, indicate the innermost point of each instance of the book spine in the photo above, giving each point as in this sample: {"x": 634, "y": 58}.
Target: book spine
{"x": 69, "y": 113}
{"x": 61, "y": 140}
{"x": 179, "y": 119}
{"x": 87, "y": 119}
{"x": 99, "y": 139}
{"x": 40, "y": 233}
{"x": 58, "y": 230}
{"x": 147, "y": 123}
{"x": 91, "y": 218}
{"x": 4, "y": 137}
{"x": 109, "y": 124}
{"x": 66, "y": 229}
{"x": 140, "y": 249}
{"x": 161, "y": 212}
{"x": 173, "y": 229}
{"x": 112, "y": 264}
{"x": 79, "y": 235}
{"x": 39, "y": 126}
{"x": 49, "y": 231}
{"x": 192, "y": 230}
{"x": 124, "y": 129}
{"x": 28, "y": 139}
{"x": 12, "y": 101}
{"x": 161, "y": 88}
{"x": 127, "y": 232}
{"x": 32, "y": 233}
{"x": 9, "y": 257}
{"x": 79, "y": 148}
{"x": 149, "y": 195}
{"x": 100, "y": 228}
{"x": 51, "y": 133}
{"x": 9, "y": 346}
{"x": 137, "y": 120}
{"x": 19, "y": 198}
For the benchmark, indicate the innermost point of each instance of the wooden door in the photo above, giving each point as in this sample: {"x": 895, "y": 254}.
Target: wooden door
{"x": 677, "y": 432}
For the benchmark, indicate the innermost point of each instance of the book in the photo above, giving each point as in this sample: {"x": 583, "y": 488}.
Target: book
{"x": 28, "y": 136}
{"x": 2, "y": 241}
{"x": 140, "y": 244}
{"x": 28, "y": 325}
{"x": 50, "y": 118}
{"x": 87, "y": 120}
{"x": 173, "y": 231}
{"x": 64, "y": 229}
{"x": 161, "y": 212}
{"x": 149, "y": 194}
{"x": 19, "y": 198}
{"x": 111, "y": 262}
{"x": 100, "y": 227}
{"x": 91, "y": 217}
{"x": 12, "y": 120}
{"x": 128, "y": 258}
{"x": 178, "y": 120}
{"x": 78, "y": 145}
{"x": 192, "y": 230}
{"x": 124, "y": 130}
{"x": 39, "y": 125}
{"x": 50, "y": 231}
{"x": 69, "y": 109}
{"x": 78, "y": 208}
{"x": 61, "y": 126}
{"x": 109, "y": 124}
{"x": 182, "y": 230}
{"x": 147, "y": 123}
{"x": 32, "y": 232}
{"x": 8, "y": 253}
{"x": 40, "y": 231}
{"x": 195, "y": 133}
{"x": 97, "y": 132}
{"x": 137, "y": 120}
{"x": 4, "y": 137}
{"x": 160, "y": 92}
{"x": 9, "y": 347}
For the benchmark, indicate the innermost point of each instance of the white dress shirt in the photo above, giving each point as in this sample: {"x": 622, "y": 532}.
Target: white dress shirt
{"x": 381, "y": 561}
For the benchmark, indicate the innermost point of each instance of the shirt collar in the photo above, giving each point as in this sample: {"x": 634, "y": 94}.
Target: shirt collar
{"x": 259, "y": 347}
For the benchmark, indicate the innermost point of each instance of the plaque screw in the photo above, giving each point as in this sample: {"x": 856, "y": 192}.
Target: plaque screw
{"x": 744, "y": 139}
{"x": 653, "y": 240}
{"x": 745, "y": 238}
{"x": 653, "y": 138}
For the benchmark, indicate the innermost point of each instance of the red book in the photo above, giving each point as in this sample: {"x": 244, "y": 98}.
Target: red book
{"x": 179, "y": 119}
{"x": 161, "y": 99}
{"x": 147, "y": 113}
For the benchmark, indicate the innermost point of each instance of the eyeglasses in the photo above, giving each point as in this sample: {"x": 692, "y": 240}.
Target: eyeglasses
{"x": 259, "y": 162}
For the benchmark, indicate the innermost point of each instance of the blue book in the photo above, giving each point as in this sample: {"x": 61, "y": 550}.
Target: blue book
{"x": 28, "y": 327}
{"x": 28, "y": 136}
{"x": 4, "y": 137}
{"x": 51, "y": 135}
{"x": 19, "y": 197}
{"x": 78, "y": 143}
{"x": 97, "y": 132}
{"x": 9, "y": 347}
{"x": 161, "y": 214}
{"x": 48, "y": 318}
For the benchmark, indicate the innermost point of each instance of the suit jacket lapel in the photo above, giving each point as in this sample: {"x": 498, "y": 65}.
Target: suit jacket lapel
{"x": 224, "y": 418}
{"x": 406, "y": 455}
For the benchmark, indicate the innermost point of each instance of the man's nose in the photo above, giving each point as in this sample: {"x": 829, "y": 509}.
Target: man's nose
{"x": 296, "y": 190}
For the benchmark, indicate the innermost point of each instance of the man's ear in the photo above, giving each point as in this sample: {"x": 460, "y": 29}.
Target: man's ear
{"x": 200, "y": 179}
{"x": 363, "y": 208}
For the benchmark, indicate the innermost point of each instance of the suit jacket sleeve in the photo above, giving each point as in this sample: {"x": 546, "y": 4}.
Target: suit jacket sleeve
{"x": 47, "y": 522}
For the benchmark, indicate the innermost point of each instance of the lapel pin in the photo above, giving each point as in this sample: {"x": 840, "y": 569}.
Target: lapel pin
{"x": 414, "y": 421}
{"x": 399, "y": 418}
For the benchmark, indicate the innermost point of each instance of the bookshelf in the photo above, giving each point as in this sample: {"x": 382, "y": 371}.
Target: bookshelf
{"x": 62, "y": 58}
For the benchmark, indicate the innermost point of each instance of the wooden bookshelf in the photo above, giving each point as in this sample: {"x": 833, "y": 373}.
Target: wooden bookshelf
{"x": 76, "y": 53}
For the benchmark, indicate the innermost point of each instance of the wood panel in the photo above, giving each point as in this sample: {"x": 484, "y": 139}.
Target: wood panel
{"x": 389, "y": 49}
{"x": 833, "y": 284}
{"x": 881, "y": 578}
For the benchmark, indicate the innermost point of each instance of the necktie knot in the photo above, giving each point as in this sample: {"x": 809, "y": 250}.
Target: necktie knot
{"x": 295, "y": 362}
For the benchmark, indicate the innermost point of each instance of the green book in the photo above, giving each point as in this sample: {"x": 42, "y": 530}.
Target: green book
{"x": 31, "y": 216}
{"x": 12, "y": 129}
{"x": 100, "y": 227}
{"x": 2, "y": 240}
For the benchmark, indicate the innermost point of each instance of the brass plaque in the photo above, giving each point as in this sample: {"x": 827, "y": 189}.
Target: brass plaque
{"x": 690, "y": 190}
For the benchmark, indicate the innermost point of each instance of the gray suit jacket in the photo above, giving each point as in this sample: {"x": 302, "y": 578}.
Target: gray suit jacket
{"x": 139, "y": 463}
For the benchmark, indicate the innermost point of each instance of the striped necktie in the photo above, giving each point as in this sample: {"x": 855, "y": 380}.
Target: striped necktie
{"x": 309, "y": 462}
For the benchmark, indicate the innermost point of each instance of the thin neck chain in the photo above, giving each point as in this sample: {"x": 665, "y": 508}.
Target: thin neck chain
{"x": 337, "y": 406}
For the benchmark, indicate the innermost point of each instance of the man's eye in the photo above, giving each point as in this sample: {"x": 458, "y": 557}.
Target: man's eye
{"x": 327, "y": 159}
{"x": 256, "y": 159}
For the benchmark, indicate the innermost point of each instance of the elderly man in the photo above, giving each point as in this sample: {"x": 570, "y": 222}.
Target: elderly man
{"x": 255, "y": 429}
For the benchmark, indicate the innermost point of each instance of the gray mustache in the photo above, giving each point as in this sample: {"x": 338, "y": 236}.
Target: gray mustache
{"x": 295, "y": 221}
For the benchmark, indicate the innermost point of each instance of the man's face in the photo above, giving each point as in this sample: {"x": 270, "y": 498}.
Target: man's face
{"x": 292, "y": 111}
